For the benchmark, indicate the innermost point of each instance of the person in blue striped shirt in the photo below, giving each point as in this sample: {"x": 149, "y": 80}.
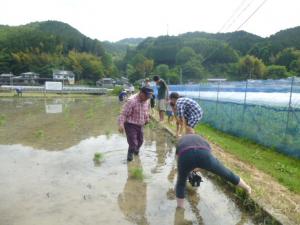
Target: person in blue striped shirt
{"x": 188, "y": 113}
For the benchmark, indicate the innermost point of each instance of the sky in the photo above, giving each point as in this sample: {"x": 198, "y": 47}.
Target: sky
{"x": 113, "y": 20}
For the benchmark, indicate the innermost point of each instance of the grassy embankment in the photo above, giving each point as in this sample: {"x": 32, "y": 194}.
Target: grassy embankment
{"x": 284, "y": 169}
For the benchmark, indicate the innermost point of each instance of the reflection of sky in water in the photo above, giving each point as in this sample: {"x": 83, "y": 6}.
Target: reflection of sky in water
{"x": 66, "y": 187}
{"x": 54, "y": 108}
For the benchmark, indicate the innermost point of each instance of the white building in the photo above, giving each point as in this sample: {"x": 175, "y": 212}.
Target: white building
{"x": 30, "y": 75}
{"x": 64, "y": 75}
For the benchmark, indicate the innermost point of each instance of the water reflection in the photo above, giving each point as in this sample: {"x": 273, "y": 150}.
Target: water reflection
{"x": 163, "y": 143}
{"x": 53, "y": 108}
{"x": 179, "y": 218}
{"x": 194, "y": 198}
{"x": 62, "y": 122}
{"x": 78, "y": 188}
{"x": 132, "y": 201}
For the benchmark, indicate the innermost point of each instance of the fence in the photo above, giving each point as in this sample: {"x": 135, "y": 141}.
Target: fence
{"x": 65, "y": 89}
{"x": 266, "y": 112}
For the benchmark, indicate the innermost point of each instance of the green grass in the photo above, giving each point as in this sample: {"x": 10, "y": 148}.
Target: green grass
{"x": 137, "y": 173}
{"x": 151, "y": 125}
{"x": 284, "y": 169}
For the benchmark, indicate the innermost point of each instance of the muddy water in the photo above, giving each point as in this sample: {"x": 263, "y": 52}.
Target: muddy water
{"x": 48, "y": 175}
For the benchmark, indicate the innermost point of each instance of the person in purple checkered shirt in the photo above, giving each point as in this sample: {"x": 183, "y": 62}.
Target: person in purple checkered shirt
{"x": 134, "y": 116}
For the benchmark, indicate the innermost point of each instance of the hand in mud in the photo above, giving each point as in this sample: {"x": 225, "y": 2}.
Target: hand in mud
{"x": 178, "y": 135}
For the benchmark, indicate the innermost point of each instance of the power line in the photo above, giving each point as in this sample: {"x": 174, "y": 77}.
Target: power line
{"x": 252, "y": 14}
{"x": 239, "y": 26}
{"x": 243, "y": 10}
{"x": 232, "y": 15}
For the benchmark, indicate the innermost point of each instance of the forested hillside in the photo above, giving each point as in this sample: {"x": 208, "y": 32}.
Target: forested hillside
{"x": 44, "y": 46}
{"x": 191, "y": 57}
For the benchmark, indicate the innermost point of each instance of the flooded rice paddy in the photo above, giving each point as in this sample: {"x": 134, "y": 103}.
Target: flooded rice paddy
{"x": 49, "y": 175}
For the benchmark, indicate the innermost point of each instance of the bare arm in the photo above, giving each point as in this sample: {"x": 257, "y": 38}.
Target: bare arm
{"x": 179, "y": 126}
{"x": 126, "y": 111}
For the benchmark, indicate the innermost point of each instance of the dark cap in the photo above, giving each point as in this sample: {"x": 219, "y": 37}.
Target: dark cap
{"x": 174, "y": 95}
{"x": 147, "y": 90}
{"x": 156, "y": 78}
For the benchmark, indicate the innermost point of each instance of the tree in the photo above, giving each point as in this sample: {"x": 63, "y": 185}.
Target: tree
{"x": 287, "y": 56}
{"x": 5, "y": 62}
{"x": 193, "y": 71}
{"x": 173, "y": 76}
{"x": 251, "y": 67}
{"x": 162, "y": 70}
{"x": 164, "y": 50}
{"x": 295, "y": 66}
{"x": 262, "y": 51}
{"x": 139, "y": 66}
{"x": 184, "y": 55}
{"x": 148, "y": 64}
{"x": 74, "y": 64}
{"x": 276, "y": 72}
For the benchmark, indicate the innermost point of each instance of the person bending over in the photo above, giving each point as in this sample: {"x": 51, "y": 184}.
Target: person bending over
{"x": 194, "y": 152}
{"x": 188, "y": 113}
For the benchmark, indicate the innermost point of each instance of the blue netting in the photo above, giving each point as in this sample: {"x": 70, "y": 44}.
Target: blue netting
{"x": 266, "y": 112}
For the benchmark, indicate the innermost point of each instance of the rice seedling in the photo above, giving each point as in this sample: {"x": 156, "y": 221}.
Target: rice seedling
{"x": 98, "y": 157}
{"x": 90, "y": 113}
{"x": 137, "y": 173}
{"x": 71, "y": 123}
{"x": 2, "y": 120}
{"x": 108, "y": 133}
{"x": 39, "y": 133}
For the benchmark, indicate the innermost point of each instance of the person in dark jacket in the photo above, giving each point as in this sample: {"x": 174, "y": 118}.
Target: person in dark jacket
{"x": 162, "y": 96}
{"x": 194, "y": 152}
{"x": 123, "y": 95}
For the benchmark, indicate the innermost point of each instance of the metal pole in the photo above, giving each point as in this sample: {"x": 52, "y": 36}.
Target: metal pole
{"x": 217, "y": 97}
{"x": 290, "y": 107}
{"x": 291, "y": 92}
{"x": 218, "y": 91}
{"x": 199, "y": 90}
{"x": 245, "y": 100}
{"x": 246, "y": 90}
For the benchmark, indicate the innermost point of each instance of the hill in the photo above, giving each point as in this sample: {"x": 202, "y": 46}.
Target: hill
{"x": 193, "y": 56}
{"x": 130, "y": 41}
{"x": 44, "y": 46}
